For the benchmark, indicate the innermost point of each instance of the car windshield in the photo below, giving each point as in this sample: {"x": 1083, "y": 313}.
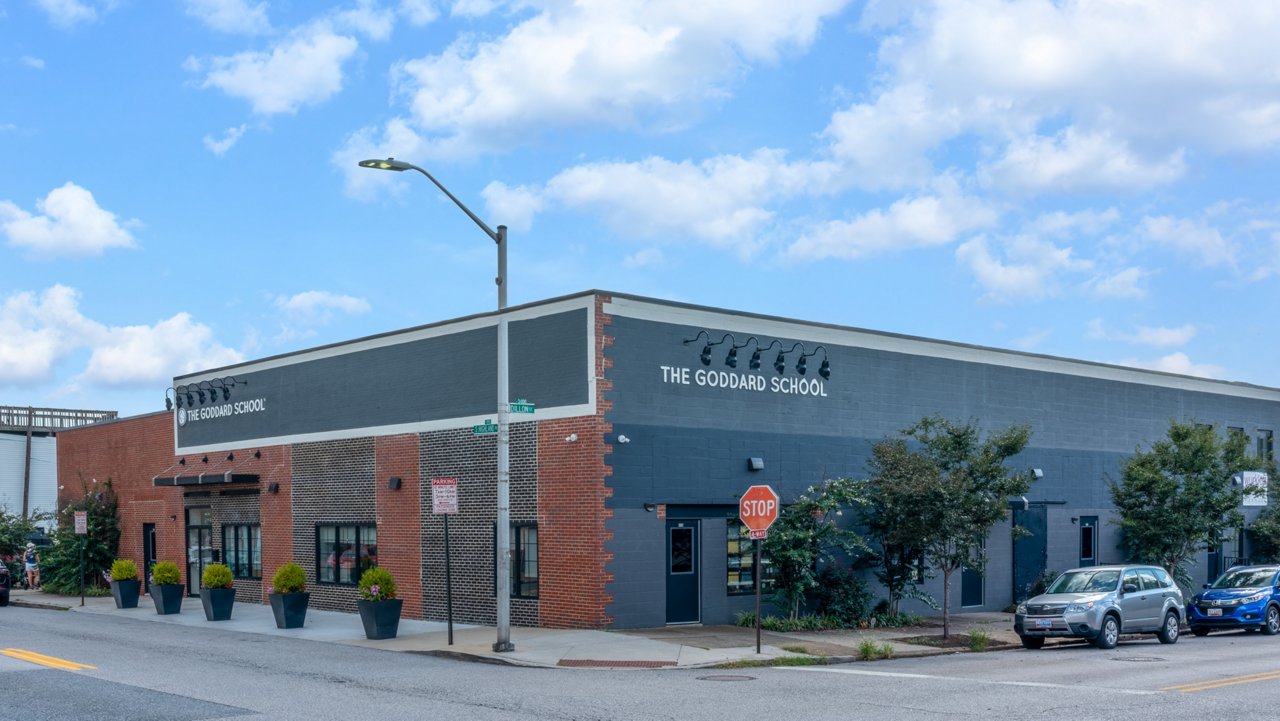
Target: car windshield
{"x": 1085, "y": 581}
{"x": 1245, "y": 578}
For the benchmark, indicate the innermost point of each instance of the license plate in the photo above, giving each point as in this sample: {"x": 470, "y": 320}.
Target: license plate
{"x": 1042, "y": 623}
{"x": 1215, "y": 612}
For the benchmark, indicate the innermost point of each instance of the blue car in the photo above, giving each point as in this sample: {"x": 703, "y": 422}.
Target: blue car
{"x": 1245, "y": 597}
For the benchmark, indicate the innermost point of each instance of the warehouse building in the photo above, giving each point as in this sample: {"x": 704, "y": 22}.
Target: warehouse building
{"x": 649, "y": 418}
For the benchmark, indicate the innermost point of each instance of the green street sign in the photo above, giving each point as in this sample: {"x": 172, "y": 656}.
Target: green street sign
{"x": 521, "y": 406}
{"x": 486, "y": 428}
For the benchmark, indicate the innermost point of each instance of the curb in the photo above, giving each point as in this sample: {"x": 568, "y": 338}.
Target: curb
{"x": 46, "y": 606}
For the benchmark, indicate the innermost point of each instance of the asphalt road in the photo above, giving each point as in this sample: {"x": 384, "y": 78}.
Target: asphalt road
{"x": 145, "y": 670}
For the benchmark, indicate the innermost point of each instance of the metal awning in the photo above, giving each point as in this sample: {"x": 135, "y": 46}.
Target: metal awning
{"x": 206, "y": 470}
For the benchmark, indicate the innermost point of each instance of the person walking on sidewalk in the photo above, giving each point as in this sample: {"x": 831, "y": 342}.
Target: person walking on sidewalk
{"x": 31, "y": 561}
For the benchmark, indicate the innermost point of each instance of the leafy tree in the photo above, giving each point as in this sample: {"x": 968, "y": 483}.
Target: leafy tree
{"x": 806, "y": 534}
{"x": 1175, "y": 498}
{"x": 60, "y": 563}
{"x": 900, "y": 483}
{"x": 965, "y": 494}
{"x": 1265, "y": 534}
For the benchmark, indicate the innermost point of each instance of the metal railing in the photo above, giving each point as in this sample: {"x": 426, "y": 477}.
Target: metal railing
{"x": 49, "y": 420}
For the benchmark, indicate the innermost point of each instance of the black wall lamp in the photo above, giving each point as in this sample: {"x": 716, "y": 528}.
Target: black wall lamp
{"x": 192, "y": 392}
{"x": 779, "y": 361}
{"x": 650, "y": 507}
{"x": 824, "y": 369}
{"x": 755, "y": 464}
{"x": 273, "y": 488}
{"x": 394, "y": 483}
{"x": 705, "y": 356}
{"x": 731, "y": 360}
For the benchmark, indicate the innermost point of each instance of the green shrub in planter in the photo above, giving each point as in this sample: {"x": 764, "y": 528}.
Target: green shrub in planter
{"x": 122, "y": 569}
{"x": 166, "y": 587}
{"x": 289, "y": 578}
{"x": 217, "y": 575}
{"x": 166, "y": 573}
{"x": 377, "y": 584}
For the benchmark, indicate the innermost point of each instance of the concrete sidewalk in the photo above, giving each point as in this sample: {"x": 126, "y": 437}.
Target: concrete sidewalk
{"x": 666, "y": 647}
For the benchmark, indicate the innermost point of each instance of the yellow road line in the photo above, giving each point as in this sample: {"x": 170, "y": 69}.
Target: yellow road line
{"x": 1225, "y": 681}
{"x": 50, "y": 661}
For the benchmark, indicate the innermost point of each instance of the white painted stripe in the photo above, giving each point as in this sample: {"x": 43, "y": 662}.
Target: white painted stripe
{"x": 855, "y": 338}
{"x": 1031, "y": 684}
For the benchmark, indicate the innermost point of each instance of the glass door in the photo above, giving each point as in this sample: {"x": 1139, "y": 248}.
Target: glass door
{"x": 199, "y": 546}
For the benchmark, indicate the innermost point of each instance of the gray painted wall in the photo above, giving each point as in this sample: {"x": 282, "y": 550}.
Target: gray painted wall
{"x": 689, "y": 443}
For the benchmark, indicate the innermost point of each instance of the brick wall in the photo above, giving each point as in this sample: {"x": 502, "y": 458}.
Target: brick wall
{"x": 275, "y": 510}
{"x": 237, "y": 507}
{"x": 399, "y": 514}
{"x": 333, "y": 482}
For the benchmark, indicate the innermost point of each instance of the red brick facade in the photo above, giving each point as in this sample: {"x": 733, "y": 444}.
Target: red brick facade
{"x": 400, "y": 517}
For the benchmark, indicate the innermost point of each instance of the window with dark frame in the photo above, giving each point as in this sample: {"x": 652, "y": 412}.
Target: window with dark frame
{"x": 242, "y": 549}
{"x": 740, "y": 555}
{"x": 1266, "y": 444}
{"x": 1087, "y": 541}
{"x": 524, "y": 560}
{"x": 345, "y": 551}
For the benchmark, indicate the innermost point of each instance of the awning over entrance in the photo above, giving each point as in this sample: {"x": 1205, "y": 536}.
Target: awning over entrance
{"x": 206, "y": 470}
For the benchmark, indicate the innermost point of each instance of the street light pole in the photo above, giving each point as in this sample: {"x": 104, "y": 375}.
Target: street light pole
{"x": 503, "y": 560}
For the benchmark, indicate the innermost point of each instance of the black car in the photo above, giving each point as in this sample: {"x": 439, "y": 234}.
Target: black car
{"x": 6, "y": 583}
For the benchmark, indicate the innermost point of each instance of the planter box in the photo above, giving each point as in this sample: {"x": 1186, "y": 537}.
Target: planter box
{"x": 217, "y": 603}
{"x": 168, "y": 597}
{"x": 126, "y": 593}
{"x": 381, "y": 618}
{"x": 290, "y": 609}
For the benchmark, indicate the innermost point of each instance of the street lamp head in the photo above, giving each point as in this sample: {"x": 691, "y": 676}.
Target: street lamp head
{"x": 388, "y": 164}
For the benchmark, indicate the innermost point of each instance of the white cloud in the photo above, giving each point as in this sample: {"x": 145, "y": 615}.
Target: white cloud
{"x": 1126, "y": 283}
{"x": 418, "y": 12}
{"x": 367, "y": 17}
{"x": 1176, "y": 363}
{"x": 1191, "y": 238}
{"x": 219, "y": 146}
{"x": 473, "y": 8}
{"x": 1061, "y": 223}
{"x": 914, "y": 222}
{"x": 599, "y": 63}
{"x": 39, "y": 332}
{"x": 647, "y": 258}
{"x": 1078, "y": 161}
{"x": 395, "y": 138}
{"x": 303, "y": 69}
{"x": 69, "y": 223}
{"x": 67, "y": 13}
{"x": 512, "y": 207}
{"x": 1154, "y": 336}
{"x": 33, "y": 62}
{"x": 315, "y": 307}
{"x": 231, "y": 16}
{"x": 1031, "y": 269}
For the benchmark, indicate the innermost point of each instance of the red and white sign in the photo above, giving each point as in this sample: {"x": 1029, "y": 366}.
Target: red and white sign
{"x": 82, "y": 522}
{"x": 758, "y": 509}
{"x": 444, "y": 495}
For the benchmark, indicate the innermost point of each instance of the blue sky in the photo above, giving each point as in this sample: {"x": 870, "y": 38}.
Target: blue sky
{"x": 180, "y": 191}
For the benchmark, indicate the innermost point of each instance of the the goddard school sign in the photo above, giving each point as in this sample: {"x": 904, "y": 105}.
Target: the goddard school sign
{"x": 749, "y": 382}
{"x": 222, "y": 410}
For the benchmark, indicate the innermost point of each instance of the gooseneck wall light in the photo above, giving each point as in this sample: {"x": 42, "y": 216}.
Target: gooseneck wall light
{"x": 779, "y": 361}
{"x": 202, "y": 392}
{"x": 503, "y": 585}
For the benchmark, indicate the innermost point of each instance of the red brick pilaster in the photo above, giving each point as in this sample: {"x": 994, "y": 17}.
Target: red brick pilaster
{"x": 400, "y": 517}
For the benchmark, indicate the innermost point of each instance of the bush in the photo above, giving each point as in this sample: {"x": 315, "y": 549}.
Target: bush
{"x": 842, "y": 596}
{"x": 870, "y": 650}
{"x": 166, "y": 573}
{"x": 216, "y": 575}
{"x": 60, "y": 562}
{"x": 978, "y": 641}
{"x": 377, "y": 584}
{"x": 122, "y": 569}
{"x": 289, "y": 578}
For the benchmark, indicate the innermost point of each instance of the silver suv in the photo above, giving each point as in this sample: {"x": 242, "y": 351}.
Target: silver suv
{"x": 1100, "y": 603}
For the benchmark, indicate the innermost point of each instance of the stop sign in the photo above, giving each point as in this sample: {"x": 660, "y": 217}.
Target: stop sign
{"x": 758, "y": 509}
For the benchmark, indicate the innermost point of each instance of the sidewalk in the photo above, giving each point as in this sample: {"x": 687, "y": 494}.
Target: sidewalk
{"x": 666, "y": 647}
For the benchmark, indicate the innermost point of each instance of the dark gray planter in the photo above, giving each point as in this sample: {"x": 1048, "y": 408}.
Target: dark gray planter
{"x": 381, "y": 619}
{"x": 290, "y": 609}
{"x": 168, "y": 597}
{"x": 126, "y": 593}
{"x": 217, "y": 603}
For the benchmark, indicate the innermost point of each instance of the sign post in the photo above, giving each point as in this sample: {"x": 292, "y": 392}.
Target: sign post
{"x": 758, "y": 509}
{"x": 82, "y": 530}
{"x": 444, "y": 501}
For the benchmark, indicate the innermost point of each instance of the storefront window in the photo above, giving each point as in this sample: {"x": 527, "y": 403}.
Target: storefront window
{"x": 242, "y": 550}
{"x": 344, "y": 552}
{"x": 524, "y": 560}
{"x": 741, "y": 557}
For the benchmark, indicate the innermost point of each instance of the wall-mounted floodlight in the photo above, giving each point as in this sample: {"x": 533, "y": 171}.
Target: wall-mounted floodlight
{"x": 623, "y": 439}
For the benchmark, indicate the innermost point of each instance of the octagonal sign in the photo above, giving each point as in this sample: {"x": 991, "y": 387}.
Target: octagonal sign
{"x": 758, "y": 509}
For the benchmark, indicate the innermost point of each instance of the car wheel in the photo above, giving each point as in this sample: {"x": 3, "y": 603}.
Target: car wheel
{"x": 1199, "y": 631}
{"x": 1272, "y": 624}
{"x": 1034, "y": 643}
{"x": 1169, "y": 631}
{"x": 1109, "y": 634}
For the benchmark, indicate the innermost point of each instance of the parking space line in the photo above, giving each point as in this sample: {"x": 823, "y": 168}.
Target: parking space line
{"x": 1031, "y": 684}
{"x": 41, "y": 659}
{"x": 1225, "y": 681}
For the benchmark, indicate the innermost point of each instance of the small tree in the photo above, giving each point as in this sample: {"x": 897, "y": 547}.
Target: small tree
{"x": 60, "y": 563}
{"x": 900, "y": 483}
{"x": 806, "y": 534}
{"x": 1265, "y": 534}
{"x": 1175, "y": 498}
{"x": 965, "y": 495}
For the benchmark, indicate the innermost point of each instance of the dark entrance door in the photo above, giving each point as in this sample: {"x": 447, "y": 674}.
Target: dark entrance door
{"x": 1088, "y": 540}
{"x": 971, "y": 586}
{"x": 682, "y": 572}
{"x": 148, "y": 553}
{"x": 199, "y": 546}
{"x": 1030, "y": 552}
